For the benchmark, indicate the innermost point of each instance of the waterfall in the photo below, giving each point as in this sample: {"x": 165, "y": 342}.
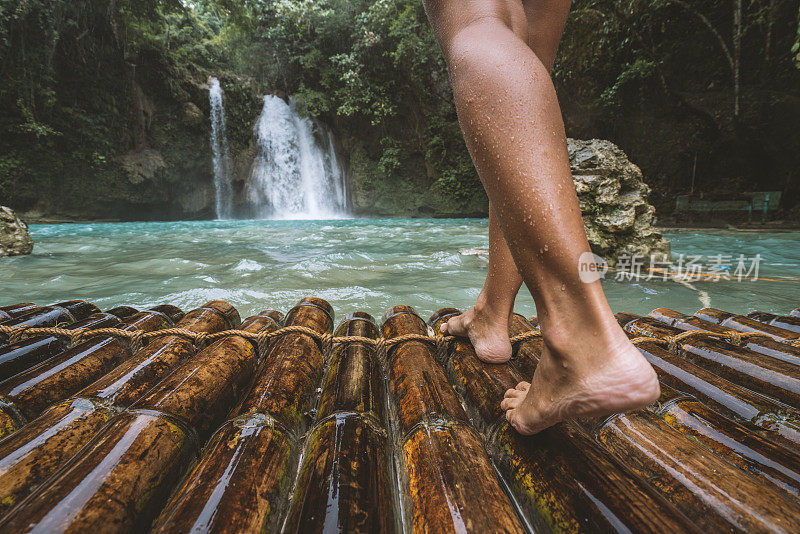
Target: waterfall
{"x": 221, "y": 155}
{"x": 295, "y": 174}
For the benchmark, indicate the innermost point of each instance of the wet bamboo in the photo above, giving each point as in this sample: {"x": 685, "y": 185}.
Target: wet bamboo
{"x": 123, "y": 312}
{"x": 762, "y": 344}
{"x": 736, "y": 443}
{"x": 35, "y": 451}
{"x": 120, "y": 481}
{"x": 345, "y": 478}
{"x": 787, "y": 322}
{"x": 58, "y": 378}
{"x": 56, "y": 315}
{"x": 775, "y": 421}
{"x": 771, "y": 377}
{"x": 354, "y": 381}
{"x": 19, "y": 357}
{"x": 448, "y": 483}
{"x": 15, "y": 310}
{"x": 173, "y": 312}
{"x": 744, "y": 324}
{"x": 715, "y": 494}
{"x": 561, "y": 477}
{"x": 710, "y": 491}
{"x": 241, "y": 481}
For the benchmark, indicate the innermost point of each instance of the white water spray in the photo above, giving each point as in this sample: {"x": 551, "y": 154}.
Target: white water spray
{"x": 221, "y": 154}
{"x": 293, "y": 176}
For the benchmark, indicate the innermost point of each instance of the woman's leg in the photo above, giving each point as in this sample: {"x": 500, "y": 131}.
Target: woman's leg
{"x": 511, "y": 120}
{"x": 486, "y": 323}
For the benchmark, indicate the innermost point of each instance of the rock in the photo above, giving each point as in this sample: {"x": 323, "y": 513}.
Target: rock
{"x": 192, "y": 115}
{"x": 142, "y": 164}
{"x": 613, "y": 200}
{"x": 618, "y": 221}
{"x": 14, "y": 237}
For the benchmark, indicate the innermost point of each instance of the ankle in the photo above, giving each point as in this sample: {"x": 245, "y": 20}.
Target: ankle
{"x": 491, "y": 310}
{"x": 571, "y": 341}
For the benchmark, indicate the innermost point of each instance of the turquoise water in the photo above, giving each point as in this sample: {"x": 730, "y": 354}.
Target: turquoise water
{"x": 354, "y": 264}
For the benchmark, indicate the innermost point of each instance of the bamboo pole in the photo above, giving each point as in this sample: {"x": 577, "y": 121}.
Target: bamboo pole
{"x": 744, "y": 324}
{"x": 346, "y": 475}
{"x": 767, "y": 376}
{"x": 711, "y": 492}
{"x": 736, "y": 443}
{"x": 19, "y": 357}
{"x": 762, "y": 344}
{"x": 241, "y": 480}
{"x": 561, "y": 477}
{"x": 448, "y": 482}
{"x": 55, "y": 315}
{"x": 15, "y": 310}
{"x": 35, "y": 451}
{"x": 27, "y": 394}
{"x": 119, "y": 481}
{"x": 786, "y": 322}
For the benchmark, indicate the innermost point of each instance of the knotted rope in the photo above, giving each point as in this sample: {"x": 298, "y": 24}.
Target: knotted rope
{"x": 327, "y": 340}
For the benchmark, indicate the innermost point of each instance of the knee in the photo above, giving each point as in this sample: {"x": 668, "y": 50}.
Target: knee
{"x": 459, "y": 30}
{"x": 487, "y": 38}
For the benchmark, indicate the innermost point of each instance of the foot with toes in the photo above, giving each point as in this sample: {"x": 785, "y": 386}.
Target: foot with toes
{"x": 488, "y": 332}
{"x": 586, "y": 380}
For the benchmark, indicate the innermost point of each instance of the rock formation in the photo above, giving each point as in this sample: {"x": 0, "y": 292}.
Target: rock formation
{"x": 14, "y": 237}
{"x": 613, "y": 200}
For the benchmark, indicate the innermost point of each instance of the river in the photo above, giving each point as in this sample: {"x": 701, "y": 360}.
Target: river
{"x": 358, "y": 264}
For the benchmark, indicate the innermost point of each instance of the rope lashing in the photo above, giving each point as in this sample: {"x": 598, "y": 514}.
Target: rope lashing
{"x": 440, "y": 343}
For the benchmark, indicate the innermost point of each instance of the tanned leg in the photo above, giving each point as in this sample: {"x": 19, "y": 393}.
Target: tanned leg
{"x": 486, "y": 323}
{"x": 509, "y": 113}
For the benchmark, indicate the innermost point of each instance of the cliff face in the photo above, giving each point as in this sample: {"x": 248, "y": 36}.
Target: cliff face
{"x": 412, "y": 190}
{"x": 158, "y": 166}
{"x": 150, "y": 161}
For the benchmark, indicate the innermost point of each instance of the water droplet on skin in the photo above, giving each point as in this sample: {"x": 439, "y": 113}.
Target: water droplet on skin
{"x": 563, "y": 287}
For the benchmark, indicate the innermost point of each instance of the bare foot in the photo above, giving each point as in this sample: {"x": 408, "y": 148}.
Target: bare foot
{"x": 487, "y": 331}
{"x": 591, "y": 381}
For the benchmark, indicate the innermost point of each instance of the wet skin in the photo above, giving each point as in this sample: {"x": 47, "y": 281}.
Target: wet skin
{"x": 499, "y": 53}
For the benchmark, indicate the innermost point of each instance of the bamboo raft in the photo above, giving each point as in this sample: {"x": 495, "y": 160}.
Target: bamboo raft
{"x": 156, "y": 420}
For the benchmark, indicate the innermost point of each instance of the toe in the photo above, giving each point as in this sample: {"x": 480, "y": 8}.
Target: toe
{"x": 456, "y": 326}
{"x": 523, "y": 386}
{"x": 443, "y": 328}
{"x": 512, "y": 399}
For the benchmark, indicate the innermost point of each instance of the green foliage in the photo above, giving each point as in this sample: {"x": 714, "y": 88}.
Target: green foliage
{"x": 74, "y": 72}
{"x": 634, "y": 73}
{"x": 391, "y": 156}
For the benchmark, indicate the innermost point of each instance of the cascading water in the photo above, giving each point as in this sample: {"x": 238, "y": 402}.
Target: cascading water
{"x": 221, "y": 153}
{"x": 293, "y": 176}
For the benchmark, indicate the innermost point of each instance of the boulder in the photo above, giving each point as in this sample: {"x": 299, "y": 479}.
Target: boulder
{"x": 14, "y": 237}
{"x": 613, "y": 200}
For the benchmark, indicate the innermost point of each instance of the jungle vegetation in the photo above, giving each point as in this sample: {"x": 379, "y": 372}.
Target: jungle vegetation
{"x": 704, "y": 96}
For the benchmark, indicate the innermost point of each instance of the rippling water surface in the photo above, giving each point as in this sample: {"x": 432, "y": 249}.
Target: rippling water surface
{"x": 354, "y": 264}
